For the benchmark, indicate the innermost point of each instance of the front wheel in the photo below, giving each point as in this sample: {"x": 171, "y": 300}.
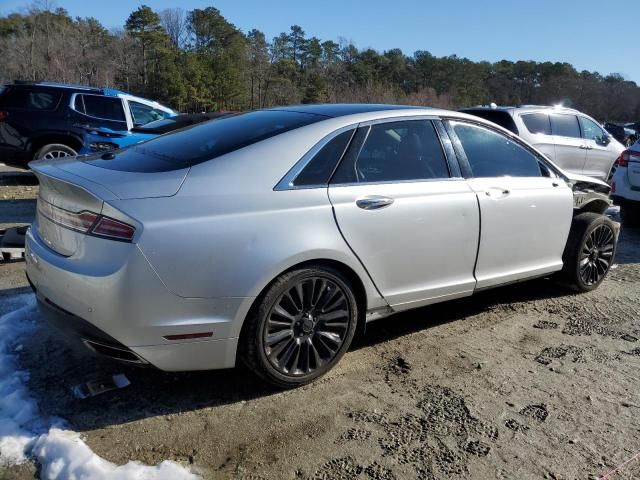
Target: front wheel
{"x": 54, "y": 151}
{"x": 302, "y": 326}
{"x": 589, "y": 252}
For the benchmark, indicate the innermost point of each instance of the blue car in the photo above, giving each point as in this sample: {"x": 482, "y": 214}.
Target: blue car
{"x": 44, "y": 120}
{"x": 105, "y": 139}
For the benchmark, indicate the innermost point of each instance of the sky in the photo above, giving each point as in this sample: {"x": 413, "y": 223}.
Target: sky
{"x": 585, "y": 33}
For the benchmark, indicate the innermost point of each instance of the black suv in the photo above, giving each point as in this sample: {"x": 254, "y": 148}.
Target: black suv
{"x": 49, "y": 120}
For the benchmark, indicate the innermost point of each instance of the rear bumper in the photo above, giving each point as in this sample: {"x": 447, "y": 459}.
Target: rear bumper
{"x": 116, "y": 305}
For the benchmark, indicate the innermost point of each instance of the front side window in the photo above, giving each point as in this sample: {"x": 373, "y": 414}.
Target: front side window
{"x": 591, "y": 130}
{"x": 491, "y": 154}
{"x": 397, "y": 151}
{"x": 32, "y": 99}
{"x": 565, "y": 126}
{"x": 143, "y": 114}
{"x": 321, "y": 166}
{"x": 537, "y": 123}
{"x": 107, "y": 108}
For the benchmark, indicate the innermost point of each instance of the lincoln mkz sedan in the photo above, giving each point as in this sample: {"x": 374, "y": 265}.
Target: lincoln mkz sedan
{"x": 272, "y": 237}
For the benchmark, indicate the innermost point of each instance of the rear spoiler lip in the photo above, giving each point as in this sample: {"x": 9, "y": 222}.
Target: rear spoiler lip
{"x": 48, "y": 170}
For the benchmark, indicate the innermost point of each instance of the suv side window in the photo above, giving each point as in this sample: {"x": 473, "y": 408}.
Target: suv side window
{"x": 98, "y": 106}
{"x": 591, "y": 129}
{"x": 537, "y": 123}
{"x": 491, "y": 154}
{"x": 565, "y": 125}
{"x": 143, "y": 114}
{"x": 31, "y": 99}
{"x": 321, "y": 166}
{"x": 397, "y": 151}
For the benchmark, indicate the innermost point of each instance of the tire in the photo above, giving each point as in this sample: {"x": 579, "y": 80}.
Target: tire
{"x": 54, "y": 151}
{"x": 630, "y": 215}
{"x": 281, "y": 323}
{"x": 589, "y": 252}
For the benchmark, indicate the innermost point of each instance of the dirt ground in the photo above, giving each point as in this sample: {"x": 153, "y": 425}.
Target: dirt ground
{"x": 527, "y": 381}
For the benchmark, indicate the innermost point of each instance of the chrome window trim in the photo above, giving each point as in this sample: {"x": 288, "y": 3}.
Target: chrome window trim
{"x": 72, "y": 106}
{"x": 408, "y": 118}
{"x": 286, "y": 183}
{"x": 393, "y": 182}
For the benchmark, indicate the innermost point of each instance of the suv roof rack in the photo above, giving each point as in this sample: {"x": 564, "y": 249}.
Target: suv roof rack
{"x": 58, "y": 85}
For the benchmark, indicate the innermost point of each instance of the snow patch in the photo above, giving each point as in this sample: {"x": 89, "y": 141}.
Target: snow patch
{"x": 25, "y": 434}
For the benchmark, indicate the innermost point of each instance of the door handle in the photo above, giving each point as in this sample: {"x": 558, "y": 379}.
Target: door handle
{"x": 586, "y": 147}
{"x": 555, "y": 184}
{"x": 502, "y": 191}
{"x": 374, "y": 202}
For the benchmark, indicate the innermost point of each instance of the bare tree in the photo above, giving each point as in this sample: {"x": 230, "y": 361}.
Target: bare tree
{"x": 174, "y": 21}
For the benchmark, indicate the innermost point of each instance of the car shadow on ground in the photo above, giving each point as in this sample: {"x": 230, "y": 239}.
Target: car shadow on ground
{"x": 55, "y": 368}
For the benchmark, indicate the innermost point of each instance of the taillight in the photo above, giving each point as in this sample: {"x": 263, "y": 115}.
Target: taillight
{"x": 3, "y": 116}
{"x": 87, "y": 222}
{"x": 628, "y": 156}
{"x": 111, "y": 228}
{"x": 80, "y": 221}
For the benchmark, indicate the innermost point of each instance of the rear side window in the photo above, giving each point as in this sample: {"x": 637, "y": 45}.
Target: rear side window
{"x": 396, "y": 151}
{"x": 31, "y": 99}
{"x": 565, "y": 125}
{"x": 498, "y": 117}
{"x": 207, "y": 141}
{"x": 491, "y": 154}
{"x": 537, "y": 123}
{"x": 107, "y": 108}
{"x": 319, "y": 169}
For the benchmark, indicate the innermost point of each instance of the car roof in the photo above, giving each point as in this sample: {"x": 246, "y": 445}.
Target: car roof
{"x": 519, "y": 108}
{"x": 341, "y": 109}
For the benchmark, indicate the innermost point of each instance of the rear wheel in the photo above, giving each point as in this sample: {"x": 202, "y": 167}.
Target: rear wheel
{"x": 303, "y": 325}
{"x": 54, "y": 151}
{"x": 590, "y": 251}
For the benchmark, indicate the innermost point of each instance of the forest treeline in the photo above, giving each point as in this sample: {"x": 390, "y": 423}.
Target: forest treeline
{"x": 198, "y": 61}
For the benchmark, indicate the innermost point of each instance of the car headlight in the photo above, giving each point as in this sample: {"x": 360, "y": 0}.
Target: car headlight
{"x": 102, "y": 146}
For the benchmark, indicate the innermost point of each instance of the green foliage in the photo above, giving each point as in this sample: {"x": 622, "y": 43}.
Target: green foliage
{"x": 198, "y": 60}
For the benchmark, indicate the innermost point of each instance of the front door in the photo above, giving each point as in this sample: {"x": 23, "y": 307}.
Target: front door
{"x": 414, "y": 228}
{"x": 525, "y": 210}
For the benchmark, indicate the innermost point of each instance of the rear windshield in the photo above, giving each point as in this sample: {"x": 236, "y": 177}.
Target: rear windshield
{"x": 496, "y": 116}
{"x": 205, "y": 141}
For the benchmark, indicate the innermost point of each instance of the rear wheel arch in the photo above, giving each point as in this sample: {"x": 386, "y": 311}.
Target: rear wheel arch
{"x": 351, "y": 275}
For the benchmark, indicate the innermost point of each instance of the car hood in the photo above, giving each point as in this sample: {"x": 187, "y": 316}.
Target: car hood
{"x": 576, "y": 178}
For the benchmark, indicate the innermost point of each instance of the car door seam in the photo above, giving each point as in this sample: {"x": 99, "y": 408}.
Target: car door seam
{"x": 335, "y": 219}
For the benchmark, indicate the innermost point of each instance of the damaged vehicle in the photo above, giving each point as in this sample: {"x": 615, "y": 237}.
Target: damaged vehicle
{"x": 272, "y": 237}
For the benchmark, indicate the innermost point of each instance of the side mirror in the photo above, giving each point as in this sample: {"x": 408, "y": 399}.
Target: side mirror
{"x": 605, "y": 139}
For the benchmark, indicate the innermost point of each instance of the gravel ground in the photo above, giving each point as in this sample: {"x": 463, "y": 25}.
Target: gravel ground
{"x": 527, "y": 381}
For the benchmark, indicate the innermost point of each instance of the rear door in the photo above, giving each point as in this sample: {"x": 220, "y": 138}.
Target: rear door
{"x": 570, "y": 148}
{"x": 538, "y": 133}
{"x": 413, "y": 225}
{"x": 100, "y": 111}
{"x": 525, "y": 210}
{"x": 601, "y": 153}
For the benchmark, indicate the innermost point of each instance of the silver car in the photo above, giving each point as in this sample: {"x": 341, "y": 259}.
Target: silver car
{"x": 273, "y": 237}
{"x": 571, "y": 139}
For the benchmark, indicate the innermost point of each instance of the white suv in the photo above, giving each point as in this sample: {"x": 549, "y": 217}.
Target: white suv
{"x": 571, "y": 139}
{"x": 625, "y": 185}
